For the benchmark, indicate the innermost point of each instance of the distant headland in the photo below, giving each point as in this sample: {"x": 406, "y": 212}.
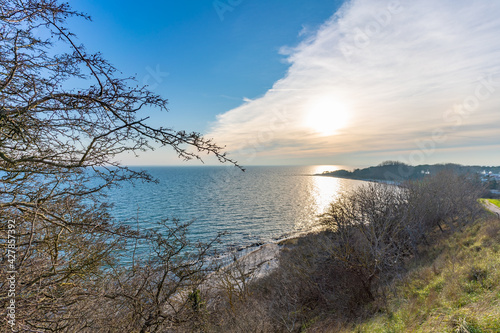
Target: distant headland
{"x": 394, "y": 171}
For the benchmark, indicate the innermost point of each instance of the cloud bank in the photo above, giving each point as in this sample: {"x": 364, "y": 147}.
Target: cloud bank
{"x": 409, "y": 80}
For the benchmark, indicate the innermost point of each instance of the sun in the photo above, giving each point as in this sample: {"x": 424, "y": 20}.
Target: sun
{"x": 326, "y": 115}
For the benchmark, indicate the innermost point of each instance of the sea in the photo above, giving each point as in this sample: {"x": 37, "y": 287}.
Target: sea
{"x": 261, "y": 205}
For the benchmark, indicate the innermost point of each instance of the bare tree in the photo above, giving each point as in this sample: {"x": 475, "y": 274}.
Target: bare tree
{"x": 159, "y": 292}
{"x": 65, "y": 114}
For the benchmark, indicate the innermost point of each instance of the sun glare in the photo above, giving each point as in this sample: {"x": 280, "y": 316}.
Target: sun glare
{"x": 326, "y": 116}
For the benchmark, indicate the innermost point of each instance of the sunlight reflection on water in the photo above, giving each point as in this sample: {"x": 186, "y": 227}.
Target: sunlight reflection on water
{"x": 325, "y": 190}
{"x": 258, "y": 206}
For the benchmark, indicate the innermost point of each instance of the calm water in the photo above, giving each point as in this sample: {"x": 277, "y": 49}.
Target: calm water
{"x": 257, "y": 206}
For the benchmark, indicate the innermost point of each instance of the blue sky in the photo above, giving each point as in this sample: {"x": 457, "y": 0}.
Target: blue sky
{"x": 314, "y": 82}
{"x": 212, "y": 64}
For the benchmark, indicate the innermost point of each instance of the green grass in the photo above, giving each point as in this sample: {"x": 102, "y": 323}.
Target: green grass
{"x": 496, "y": 202}
{"x": 456, "y": 288}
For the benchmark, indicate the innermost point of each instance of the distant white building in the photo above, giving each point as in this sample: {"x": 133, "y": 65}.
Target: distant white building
{"x": 489, "y": 175}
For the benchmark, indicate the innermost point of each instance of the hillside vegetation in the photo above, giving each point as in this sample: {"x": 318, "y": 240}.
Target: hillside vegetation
{"x": 398, "y": 171}
{"x": 420, "y": 257}
{"x": 454, "y": 287}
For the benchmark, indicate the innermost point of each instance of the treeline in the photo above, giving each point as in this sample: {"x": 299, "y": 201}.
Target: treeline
{"x": 398, "y": 171}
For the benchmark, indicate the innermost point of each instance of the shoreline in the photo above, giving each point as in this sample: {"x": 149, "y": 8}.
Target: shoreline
{"x": 257, "y": 263}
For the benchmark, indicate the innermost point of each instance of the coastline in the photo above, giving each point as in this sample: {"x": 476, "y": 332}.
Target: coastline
{"x": 381, "y": 181}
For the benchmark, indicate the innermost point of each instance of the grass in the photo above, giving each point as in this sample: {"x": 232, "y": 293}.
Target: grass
{"x": 496, "y": 202}
{"x": 454, "y": 288}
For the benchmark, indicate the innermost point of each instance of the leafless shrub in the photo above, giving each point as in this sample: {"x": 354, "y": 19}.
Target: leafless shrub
{"x": 369, "y": 232}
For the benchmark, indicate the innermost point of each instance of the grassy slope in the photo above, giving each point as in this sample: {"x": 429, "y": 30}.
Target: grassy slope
{"x": 455, "y": 288}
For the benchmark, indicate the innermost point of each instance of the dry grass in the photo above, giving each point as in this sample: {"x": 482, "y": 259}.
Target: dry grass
{"x": 457, "y": 290}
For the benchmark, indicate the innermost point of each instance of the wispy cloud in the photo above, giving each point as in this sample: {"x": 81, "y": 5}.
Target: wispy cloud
{"x": 394, "y": 76}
